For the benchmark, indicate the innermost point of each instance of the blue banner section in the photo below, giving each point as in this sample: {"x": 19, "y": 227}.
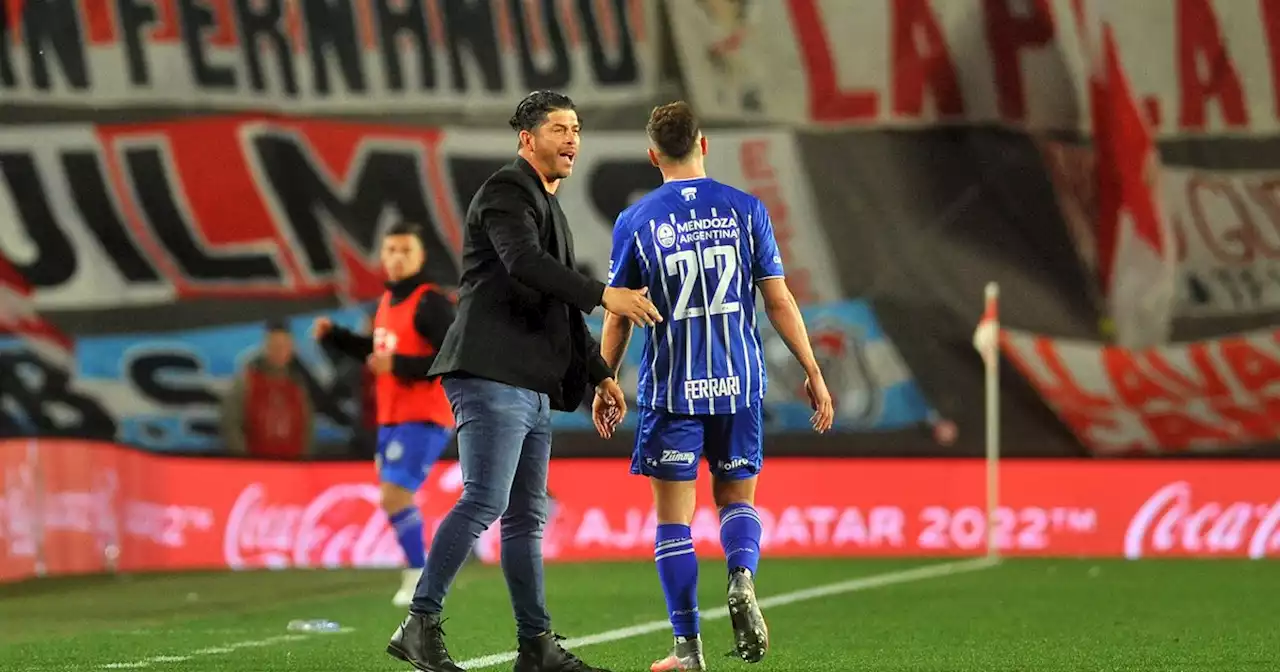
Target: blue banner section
{"x": 162, "y": 391}
{"x": 873, "y": 389}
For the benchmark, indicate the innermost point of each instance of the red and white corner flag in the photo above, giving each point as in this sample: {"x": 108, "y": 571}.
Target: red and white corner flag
{"x": 986, "y": 338}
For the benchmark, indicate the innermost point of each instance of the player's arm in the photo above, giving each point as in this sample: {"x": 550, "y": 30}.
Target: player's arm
{"x": 610, "y": 405}
{"x": 784, "y": 313}
{"x": 614, "y": 337}
{"x": 624, "y": 271}
{"x": 779, "y": 303}
{"x": 598, "y": 370}
{"x": 348, "y": 342}
{"x": 511, "y": 222}
{"x": 431, "y": 319}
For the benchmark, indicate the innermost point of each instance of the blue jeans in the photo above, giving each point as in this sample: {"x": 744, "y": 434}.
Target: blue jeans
{"x": 504, "y": 449}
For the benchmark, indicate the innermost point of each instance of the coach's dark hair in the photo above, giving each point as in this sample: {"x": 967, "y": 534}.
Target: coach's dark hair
{"x": 277, "y": 325}
{"x": 533, "y": 110}
{"x": 405, "y": 229}
{"x": 674, "y": 129}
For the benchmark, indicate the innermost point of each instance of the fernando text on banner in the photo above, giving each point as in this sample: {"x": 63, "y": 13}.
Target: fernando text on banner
{"x": 331, "y": 56}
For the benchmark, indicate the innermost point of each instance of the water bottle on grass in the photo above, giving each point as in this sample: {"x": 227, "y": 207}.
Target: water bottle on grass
{"x": 319, "y": 625}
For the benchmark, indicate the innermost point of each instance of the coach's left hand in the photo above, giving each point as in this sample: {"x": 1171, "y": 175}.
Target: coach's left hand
{"x": 380, "y": 362}
{"x": 609, "y": 407}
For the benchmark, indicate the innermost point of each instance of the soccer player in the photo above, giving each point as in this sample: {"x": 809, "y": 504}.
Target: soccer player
{"x": 415, "y": 421}
{"x": 702, "y": 248}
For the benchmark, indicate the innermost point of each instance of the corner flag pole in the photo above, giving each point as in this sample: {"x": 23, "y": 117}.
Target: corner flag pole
{"x": 986, "y": 339}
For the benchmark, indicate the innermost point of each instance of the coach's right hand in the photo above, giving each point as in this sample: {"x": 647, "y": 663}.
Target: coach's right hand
{"x": 321, "y": 327}
{"x": 633, "y": 304}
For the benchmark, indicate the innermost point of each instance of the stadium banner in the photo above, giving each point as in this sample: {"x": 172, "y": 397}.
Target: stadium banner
{"x": 1135, "y": 246}
{"x": 1201, "y": 397}
{"x": 348, "y": 56}
{"x": 72, "y": 507}
{"x": 162, "y": 391}
{"x": 1228, "y": 238}
{"x": 1224, "y": 230}
{"x": 910, "y": 63}
{"x": 99, "y": 217}
{"x": 19, "y": 320}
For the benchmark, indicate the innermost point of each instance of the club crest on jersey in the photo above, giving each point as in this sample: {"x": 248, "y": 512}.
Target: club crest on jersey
{"x": 666, "y": 235}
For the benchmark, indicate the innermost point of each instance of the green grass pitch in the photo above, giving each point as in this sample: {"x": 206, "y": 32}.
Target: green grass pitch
{"x": 1041, "y": 615}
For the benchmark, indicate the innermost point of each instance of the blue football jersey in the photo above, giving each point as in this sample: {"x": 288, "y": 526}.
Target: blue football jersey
{"x": 700, "y": 246}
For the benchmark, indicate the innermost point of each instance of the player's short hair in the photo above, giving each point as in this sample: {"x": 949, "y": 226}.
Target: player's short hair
{"x": 276, "y": 326}
{"x": 405, "y": 229}
{"x": 533, "y": 110}
{"x": 673, "y": 128}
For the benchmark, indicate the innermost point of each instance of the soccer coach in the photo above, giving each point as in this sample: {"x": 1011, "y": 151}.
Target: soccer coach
{"x": 518, "y": 349}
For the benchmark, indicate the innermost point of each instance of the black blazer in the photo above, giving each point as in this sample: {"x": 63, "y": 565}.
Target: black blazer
{"x": 520, "y": 301}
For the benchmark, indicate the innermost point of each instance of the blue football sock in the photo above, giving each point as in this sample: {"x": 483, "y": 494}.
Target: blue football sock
{"x": 408, "y": 527}
{"x": 678, "y": 570}
{"x": 740, "y": 531}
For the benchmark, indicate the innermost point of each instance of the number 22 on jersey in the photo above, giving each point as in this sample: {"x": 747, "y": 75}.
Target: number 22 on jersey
{"x": 692, "y": 269}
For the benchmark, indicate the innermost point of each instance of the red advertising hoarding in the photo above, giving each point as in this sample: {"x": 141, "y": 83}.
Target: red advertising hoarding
{"x": 72, "y": 507}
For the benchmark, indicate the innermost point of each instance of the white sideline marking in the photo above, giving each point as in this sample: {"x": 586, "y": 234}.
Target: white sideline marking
{"x": 838, "y": 588}
{"x": 217, "y": 650}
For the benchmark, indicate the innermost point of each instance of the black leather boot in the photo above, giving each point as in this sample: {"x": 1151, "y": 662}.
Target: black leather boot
{"x": 544, "y": 654}
{"x": 419, "y": 641}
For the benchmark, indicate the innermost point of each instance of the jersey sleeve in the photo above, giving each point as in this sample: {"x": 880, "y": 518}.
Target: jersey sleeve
{"x": 767, "y": 260}
{"x": 624, "y": 264}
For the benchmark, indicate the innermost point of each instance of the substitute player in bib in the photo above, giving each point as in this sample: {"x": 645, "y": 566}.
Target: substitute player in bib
{"x": 415, "y": 421}
{"x": 702, "y": 248}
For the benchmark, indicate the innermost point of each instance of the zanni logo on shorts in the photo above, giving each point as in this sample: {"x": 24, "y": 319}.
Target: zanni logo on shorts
{"x": 666, "y": 235}
{"x": 395, "y": 450}
{"x": 677, "y": 457}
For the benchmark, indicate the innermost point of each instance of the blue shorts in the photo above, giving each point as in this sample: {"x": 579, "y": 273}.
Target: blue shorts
{"x": 407, "y": 451}
{"x": 668, "y": 445}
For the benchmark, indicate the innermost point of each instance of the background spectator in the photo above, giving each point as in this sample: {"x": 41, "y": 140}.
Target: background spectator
{"x": 267, "y": 412}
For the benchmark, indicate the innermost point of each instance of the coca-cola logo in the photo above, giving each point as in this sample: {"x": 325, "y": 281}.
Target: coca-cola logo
{"x": 1171, "y": 523}
{"x": 341, "y": 527}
